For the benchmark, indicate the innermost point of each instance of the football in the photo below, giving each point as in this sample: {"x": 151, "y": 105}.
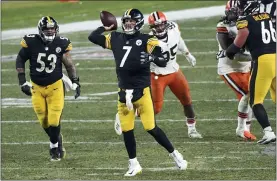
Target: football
{"x": 108, "y": 19}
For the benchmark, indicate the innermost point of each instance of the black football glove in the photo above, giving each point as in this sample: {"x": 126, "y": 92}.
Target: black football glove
{"x": 220, "y": 54}
{"x": 78, "y": 88}
{"x": 26, "y": 89}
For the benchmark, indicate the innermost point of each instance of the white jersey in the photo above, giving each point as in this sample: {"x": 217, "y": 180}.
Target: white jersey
{"x": 170, "y": 46}
{"x": 225, "y": 65}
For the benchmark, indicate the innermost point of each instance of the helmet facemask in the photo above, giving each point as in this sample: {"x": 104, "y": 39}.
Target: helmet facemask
{"x": 48, "y": 29}
{"x": 128, "y": 25}
{"x": 132, "y": 21}
{"x": 232, "y": 14}
{"x": 159, "y": 29}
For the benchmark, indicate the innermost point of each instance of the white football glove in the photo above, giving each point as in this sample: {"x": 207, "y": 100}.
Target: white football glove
{"x": 68, "y": 83}
{"x": 191, "y": 59}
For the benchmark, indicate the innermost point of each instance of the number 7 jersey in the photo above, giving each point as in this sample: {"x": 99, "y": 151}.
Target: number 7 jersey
{"x": 45, "y": 59}
{"x": 127, "y": 50}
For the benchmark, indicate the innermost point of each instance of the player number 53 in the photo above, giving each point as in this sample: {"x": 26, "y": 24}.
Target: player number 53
{"x": 52, "y": 58}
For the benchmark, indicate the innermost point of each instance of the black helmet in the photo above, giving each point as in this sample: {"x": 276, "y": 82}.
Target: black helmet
{"x": 232, "y": 11}
{"x": 247, "y": 7}
{"x": 137, "y": 16}
{"x": 48, "y": 28}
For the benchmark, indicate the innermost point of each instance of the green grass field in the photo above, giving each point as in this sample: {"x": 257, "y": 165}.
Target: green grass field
{"x": 95, "y": 152}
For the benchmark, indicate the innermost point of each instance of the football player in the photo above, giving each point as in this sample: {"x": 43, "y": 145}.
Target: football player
{"x": 170, "y": 40}
{"x": 133, "y": 51}
{"x": 257, "y": 33}
{"x": 235, "y": 73}
{"x": 46, "y": 52}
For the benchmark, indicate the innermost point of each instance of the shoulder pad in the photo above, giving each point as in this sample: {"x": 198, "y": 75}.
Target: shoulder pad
{"x": 173, "y": 25}
{"x": 65, "y": 42}
{"x": 242, "y": 22}
{"x": 27, "y": 40}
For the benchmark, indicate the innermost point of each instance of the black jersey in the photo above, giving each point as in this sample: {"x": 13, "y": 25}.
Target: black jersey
{"x": 45, "y": 59}
{"x": 131, "y": 73}
{"x": 262, "y": 35}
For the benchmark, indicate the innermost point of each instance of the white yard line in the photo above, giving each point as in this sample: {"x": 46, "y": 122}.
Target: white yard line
{"x": 90, "y": 25}
{"x": 25, "y": 103}
{"x": 218, "y": 157}
{"x": 152, "y": 169}
{"x": 121, "y": 142}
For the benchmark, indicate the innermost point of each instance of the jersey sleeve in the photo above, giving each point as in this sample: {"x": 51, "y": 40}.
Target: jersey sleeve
{"x": 151, "y": 44}
{"x": 23, "y": 43}
{"x": 68, "y": 46}
{"x": 242, "y": 23}
{"x": 108, "y": 41}
{"x": 26, "y": 41}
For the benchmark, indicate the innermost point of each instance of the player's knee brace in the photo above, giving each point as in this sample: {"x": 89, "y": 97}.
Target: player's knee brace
{"x": 243, "y": 104}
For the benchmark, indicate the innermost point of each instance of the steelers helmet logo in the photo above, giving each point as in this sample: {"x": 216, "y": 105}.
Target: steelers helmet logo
{"x": 138, "y": 42}
{"x": 58, "y": 49}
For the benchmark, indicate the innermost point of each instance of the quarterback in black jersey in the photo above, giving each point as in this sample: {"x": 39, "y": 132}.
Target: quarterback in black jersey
{"x": 257, "y": 33}
{"x": 46, "y": 53}
{"x": 133, "y": 51}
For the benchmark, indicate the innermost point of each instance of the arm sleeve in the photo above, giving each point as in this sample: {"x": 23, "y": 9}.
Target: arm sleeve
{"x": 96, "y": 37}
{"x": 224, "y": 40}
{"x": 182, "y": 47}
{"x": 21, "y": 58}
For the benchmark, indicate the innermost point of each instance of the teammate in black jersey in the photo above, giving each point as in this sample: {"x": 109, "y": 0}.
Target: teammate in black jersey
{"x": 46, "y": 53}
{"x": 257, "y": 33}
{"x": 133, "y": 51}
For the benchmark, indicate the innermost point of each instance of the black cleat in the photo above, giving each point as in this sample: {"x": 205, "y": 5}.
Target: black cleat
{"x": 61, "y": 149}
{"x": 55, "y": 155}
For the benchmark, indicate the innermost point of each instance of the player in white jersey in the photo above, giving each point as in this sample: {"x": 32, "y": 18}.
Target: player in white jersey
{"x": 235, "y": 73}
{"x": 171, "y": 42}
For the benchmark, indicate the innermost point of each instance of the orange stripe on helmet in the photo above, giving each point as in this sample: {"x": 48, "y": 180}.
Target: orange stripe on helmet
{"x": 156, "y": 17}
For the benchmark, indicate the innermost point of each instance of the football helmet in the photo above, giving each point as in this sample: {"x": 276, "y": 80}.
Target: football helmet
{"x": 247, "y": 7}
{"x": 158, "y": 23}
{"x": 48, "y": 28}
{"x": 232, "y": 10}
{"x": 132, "y": 21}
